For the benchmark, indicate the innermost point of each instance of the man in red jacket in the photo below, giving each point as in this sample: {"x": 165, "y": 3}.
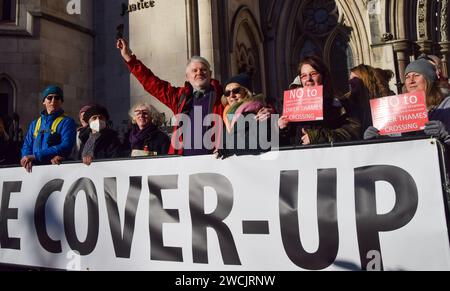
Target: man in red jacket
{"x": 199, "y": 98}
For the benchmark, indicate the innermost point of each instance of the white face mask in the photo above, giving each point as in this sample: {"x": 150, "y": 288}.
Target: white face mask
{"x": 97, "y": 125}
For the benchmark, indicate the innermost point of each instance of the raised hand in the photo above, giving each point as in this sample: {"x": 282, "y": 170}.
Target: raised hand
{"x": 125, "y": 51}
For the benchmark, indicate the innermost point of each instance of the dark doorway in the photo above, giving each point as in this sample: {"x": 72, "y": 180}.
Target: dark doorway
{"x": 4, "y": 104}
{"x": 6, "y": 96}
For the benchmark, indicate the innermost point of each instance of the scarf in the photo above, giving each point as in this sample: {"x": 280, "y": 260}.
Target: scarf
{"x": 138, "y": 136}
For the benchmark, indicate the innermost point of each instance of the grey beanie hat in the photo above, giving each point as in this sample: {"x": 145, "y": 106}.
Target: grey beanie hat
{"x": 423, "y": 67}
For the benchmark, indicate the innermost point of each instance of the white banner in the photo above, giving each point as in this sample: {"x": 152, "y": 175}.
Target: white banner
{"x": 374, "y": 207}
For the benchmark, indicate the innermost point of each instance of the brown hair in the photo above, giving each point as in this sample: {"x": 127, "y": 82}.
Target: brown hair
{"x": 376, "y": 80}
{"x": 322, "y": 69}
{"x": 433, "y": 94}
{"x": 3, "y": 129}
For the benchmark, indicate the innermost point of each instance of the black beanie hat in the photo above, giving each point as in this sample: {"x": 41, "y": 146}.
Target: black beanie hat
{"x": 242, "y": 79}
{"x": 95, "y": 110}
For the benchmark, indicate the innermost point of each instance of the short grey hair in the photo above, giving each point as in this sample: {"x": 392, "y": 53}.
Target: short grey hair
{"x": 199, "y": 59}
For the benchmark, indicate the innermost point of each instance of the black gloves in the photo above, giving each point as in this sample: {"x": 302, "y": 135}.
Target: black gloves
{"x": 436, "y": 128}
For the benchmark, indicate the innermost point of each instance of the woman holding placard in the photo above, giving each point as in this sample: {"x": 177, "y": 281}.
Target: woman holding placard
{"x": 335, "y": 126}
{"x": 366, "y": 83}
{"x": 420, "y": 76}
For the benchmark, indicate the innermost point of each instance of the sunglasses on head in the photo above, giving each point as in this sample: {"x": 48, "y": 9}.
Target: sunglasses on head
{"x": 234, "y": 91}
{"x": 50, "y": 98}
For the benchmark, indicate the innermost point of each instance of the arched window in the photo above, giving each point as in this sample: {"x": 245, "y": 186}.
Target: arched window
{"x": 321, "y": 34}
{"x": 247, "y": 47}
{"x": 6, "y": 96}
{"x": 7, "y": 10}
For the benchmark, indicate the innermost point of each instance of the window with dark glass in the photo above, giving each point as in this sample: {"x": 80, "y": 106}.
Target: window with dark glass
{"x": 7, "y": 10}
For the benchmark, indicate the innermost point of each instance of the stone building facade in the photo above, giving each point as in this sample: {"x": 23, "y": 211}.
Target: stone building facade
{"x": 41, "y": 43}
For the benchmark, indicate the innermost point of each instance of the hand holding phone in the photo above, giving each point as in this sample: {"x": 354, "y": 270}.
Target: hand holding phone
{"x": 119, "y": 34}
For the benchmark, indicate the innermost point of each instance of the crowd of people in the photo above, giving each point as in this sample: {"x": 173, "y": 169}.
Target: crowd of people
{"x": 206, "y": 111}
{"x": 11, "y": 139}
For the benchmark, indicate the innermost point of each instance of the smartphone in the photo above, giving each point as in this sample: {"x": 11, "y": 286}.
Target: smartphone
{"x": 119, "y": 28}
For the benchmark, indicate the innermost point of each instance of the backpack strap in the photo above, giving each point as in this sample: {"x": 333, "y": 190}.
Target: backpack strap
{"x": 55, "y": 124}
{"x": 37, "y": 127}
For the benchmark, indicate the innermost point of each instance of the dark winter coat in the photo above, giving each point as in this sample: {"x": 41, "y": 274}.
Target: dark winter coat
{"x": 107, "y": 146}
{"x": 151, "y": 137}
{"x": 336, "y": 127}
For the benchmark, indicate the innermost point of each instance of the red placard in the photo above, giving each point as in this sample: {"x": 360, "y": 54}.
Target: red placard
{"x": 399, "y": 114}
{"x": 303, "y": 104}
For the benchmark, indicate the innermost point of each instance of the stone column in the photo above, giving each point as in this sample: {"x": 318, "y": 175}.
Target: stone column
{"x": 193, "y": 30}
{"x": 206, "y": 29}
{"x": 401, "y": 49}
{"x": 423, "y": 37}
{"x": 445, "y": 51}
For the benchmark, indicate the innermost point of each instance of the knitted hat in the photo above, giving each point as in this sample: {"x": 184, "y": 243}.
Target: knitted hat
{"x": 52, "y": 89}
{"x": 242, "y": 79}
{"x": 423, "y": 67}
{"x": 95, "y": 110}
{"x": 84, "y": 109}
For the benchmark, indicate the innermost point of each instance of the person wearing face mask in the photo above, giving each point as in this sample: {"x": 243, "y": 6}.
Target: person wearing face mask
{"x": 366, "y": 83}
{"x": 51, "y": 137}
{"x": 420, "y": 75}
{"x": 336, "y": 126}
{"x": 103, "y": 142}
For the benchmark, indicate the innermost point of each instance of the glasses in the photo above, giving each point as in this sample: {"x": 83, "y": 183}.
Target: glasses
{"x": 141, "y": 112}
{"x": 51, "y": 97}
{"x": 234, "y": 91}
{"x": 309, "y": 76}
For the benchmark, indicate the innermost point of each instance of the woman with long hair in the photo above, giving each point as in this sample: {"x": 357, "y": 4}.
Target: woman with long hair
{"x": 420, "y": 75}
{"x": 335, "y": 127}
{"x": 366, "y": 83}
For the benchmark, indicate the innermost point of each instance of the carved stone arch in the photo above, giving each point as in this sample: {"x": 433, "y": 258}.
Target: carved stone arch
{"x": 360, "y": 36}
{"x": 8, "y": 93}
{"x": 401, "y": 18}
{"x": 294, "y": 37}
{"x": 246, "y": 48}
{"x": 309, "y": 22}
{"x": 298, "y": 48}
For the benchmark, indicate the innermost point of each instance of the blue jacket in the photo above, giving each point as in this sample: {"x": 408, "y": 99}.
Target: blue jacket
{"x": 61, "y": 144}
